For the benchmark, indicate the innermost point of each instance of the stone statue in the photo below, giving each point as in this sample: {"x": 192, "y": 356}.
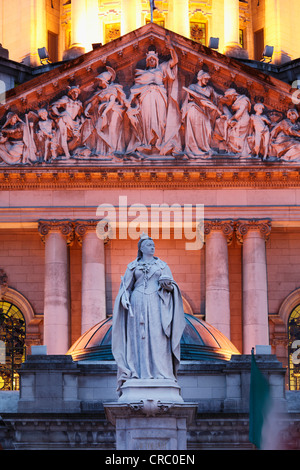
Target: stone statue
{"x": 259, "y": 132}
{"x": 235, "y": 129}
{"x": 46, "y": 138}
{"x": 285, "y": 138}
{"x": 67, "y": 112}
{"x": 103, "y": 130}
{"x": 153, "y": 108}
{"x": 199, "y": 113}
{"x": 148, "y": 319}
{"x": 16, "y": 141}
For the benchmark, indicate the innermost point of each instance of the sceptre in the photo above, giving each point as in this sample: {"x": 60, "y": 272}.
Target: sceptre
{"x": 126, "y": 297}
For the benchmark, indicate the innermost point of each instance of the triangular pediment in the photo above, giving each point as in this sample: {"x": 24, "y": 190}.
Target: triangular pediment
{"x": 106, "y": 109}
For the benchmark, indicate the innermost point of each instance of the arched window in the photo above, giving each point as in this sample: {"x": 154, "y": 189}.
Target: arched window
{"x": 12, "y": 345}
{"x": 294, "y": 348}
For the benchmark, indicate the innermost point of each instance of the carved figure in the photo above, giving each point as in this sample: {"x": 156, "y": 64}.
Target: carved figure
{"x": 148, "y": 319}
{"x": 103, "y": 130}
{"x": 153, "y": 106}
{"x": 235, "y": 129}
{"x": 46, "y": 138}
{"x": 199, "y": 113}
{"x": 16, "y": 141}
{"x": 285, "y": 138}
{"x": 67, "y": 112}
{"x": 260, "y": 132}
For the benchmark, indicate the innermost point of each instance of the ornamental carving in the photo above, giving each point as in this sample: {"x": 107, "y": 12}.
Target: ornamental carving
{"x": 65, "y": 228}
{"x": 226, "y": 226}
{"x": 153, "y": 110}
{"x": 243, "y": 227}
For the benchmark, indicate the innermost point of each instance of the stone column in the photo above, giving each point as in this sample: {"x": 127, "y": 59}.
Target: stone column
{"x": 253, "y": 235}
{"x": 78, "y": 30}
{"x": 217, "y": 300}
{"x": 131, "y": 11}
{"x": 231, "y": 29}
{"x": 93, "y": 275}
{"x": 56, "y": 236}
{"x": 180, "y": 17}
{"x": 93, "y": 24}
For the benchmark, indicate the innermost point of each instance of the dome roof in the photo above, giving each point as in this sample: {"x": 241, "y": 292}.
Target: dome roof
{"x": 200, "y": 341}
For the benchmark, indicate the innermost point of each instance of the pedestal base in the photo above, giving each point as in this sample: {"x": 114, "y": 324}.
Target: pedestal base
{"x": 150, "y": 425}
{"x": 164, "y": 390}
{"x": 150, "y": 415}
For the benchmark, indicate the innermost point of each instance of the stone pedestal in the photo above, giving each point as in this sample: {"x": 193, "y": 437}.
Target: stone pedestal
{"x": 150, "y": 415}
{"x": 150, "y": 389}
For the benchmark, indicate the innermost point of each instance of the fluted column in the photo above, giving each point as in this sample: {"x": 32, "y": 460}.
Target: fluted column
{"x": 78, "y": 18}
{"x": 217, "y": 300}
{"x": 56, "y": 236}
{"x": 131, "y": 19}
{"x": 180, "y": 22}
{"x": 93, "y": 275}
{"x": 253, "y": 235}
{"x": 232, "y": 45}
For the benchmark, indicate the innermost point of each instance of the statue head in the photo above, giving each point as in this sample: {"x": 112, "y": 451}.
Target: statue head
{"x": 292, "y": 115}
{"x": 203, "y": 77}
{"x": 143, "y": 238}
{"x": 105, "y": 77}
{"x": 152, "y": 59}
{"x": 73, "y": 92}
{"x": 11, "y": 119}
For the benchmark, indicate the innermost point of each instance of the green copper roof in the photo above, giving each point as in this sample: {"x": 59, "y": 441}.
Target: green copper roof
{"x": 200, "y": 341}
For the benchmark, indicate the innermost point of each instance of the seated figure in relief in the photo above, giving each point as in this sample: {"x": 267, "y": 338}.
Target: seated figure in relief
{"x": 153, "y": 108}
{"x": 285, "y": 138}
{"x": 148, "y": 319}
{"x": 232, "y": 133}
{"x": 259, "y": 132}
{"x": 199, "y": 113}
{"x": 103, "y": 130}
{"x": 16, "y": 141}
{"x": 67, "y": 112}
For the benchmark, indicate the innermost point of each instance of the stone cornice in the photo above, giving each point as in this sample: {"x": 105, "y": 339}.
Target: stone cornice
{"x": 179, "y": 177}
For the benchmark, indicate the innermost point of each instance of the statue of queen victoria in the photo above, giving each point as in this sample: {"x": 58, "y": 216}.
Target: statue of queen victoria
{"x": 148, "y": 319}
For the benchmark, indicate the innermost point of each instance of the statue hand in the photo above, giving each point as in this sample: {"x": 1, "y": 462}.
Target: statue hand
{"x": 166, "y": 285}
{"x": 125, "y": 302}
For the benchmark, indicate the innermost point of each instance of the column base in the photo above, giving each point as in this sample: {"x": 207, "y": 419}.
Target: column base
{"x": 235, "y": 51}
{"x": 75, "y": 51}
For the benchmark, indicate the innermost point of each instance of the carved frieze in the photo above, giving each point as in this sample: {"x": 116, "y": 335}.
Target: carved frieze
{"x": 171, "y": 106}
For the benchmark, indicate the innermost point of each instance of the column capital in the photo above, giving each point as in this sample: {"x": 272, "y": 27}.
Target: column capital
{"x": 81, "y": 227}
{"x": 243, "y": 227}
{"x": 64, "y": 227}
{"x": 225, "y": 226}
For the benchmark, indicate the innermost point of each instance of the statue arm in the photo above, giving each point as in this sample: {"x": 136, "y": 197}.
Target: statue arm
{"x": 174, "y": 57}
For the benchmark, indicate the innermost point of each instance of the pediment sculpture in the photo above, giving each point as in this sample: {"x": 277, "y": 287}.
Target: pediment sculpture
{"x": 156, "y": 116}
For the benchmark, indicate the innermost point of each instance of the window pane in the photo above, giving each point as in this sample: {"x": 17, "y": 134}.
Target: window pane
{"x": 198, "y": 32}
{"x": 293, "y": 348}
{"x": 12, "y": 345}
